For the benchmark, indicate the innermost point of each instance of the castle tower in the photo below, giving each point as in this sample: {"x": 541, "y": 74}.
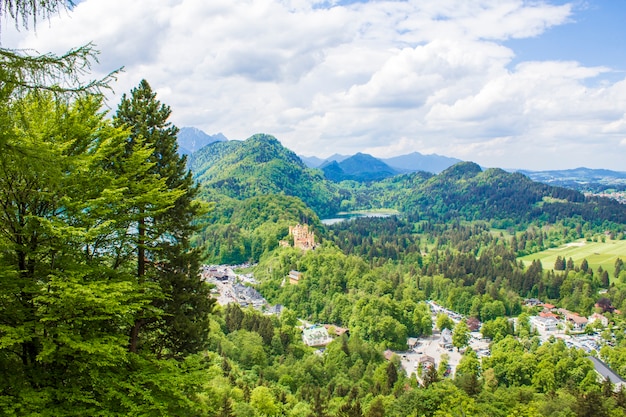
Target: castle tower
{"x": 302, "y": 237}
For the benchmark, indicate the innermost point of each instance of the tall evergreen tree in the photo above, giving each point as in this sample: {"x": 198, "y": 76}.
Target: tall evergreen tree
{"x": 163, "y": 249}
{"x": 67, "y": 295}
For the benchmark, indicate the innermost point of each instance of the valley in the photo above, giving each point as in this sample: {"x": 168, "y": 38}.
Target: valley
{"x": 472, "y": 242}
{"x": 153, "y": 270}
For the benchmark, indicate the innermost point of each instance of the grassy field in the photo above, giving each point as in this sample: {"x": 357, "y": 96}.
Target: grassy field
{"x": 596, "y": 253}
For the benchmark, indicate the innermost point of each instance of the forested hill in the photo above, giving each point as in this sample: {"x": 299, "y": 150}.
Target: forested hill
{"x": 465, "y": 191}
{"x": 360, "y": 167}
{"x": 260, "y": 165}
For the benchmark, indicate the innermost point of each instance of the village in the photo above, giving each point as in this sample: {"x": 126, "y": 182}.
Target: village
{"x": 550, "y": 321}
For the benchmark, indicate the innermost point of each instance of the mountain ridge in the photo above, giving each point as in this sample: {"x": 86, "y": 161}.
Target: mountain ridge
{"x": 433, "y": 163}
{"x": 359, "y": 167}
{"x": 191, "y": 139}
{"x": 260, "y": 165}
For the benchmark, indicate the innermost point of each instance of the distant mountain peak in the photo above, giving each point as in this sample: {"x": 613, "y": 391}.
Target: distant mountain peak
{"x": 192, "y": 139}
{"x": 462, "y": 170}
{"x": 359, "y": 167}
{"x": 416, "y": 161}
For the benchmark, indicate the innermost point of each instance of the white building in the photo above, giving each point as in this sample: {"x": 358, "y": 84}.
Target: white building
{"x": 598, "y": 317}
{"x": 543, "y": 324}
{"x": 316, "y": 336}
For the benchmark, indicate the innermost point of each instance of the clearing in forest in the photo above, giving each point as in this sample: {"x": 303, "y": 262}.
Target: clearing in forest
{"x": 597, "y": 254}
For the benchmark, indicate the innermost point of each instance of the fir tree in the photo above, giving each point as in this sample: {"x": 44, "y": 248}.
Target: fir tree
{"x": 163, "y": 249}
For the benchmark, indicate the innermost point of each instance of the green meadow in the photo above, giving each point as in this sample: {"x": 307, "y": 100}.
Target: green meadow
{"x": 597, "y": 254}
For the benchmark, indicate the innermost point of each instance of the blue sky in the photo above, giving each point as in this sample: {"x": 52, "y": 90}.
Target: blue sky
{"x": 505, "y": 83}
{"x": 595, "y": 36}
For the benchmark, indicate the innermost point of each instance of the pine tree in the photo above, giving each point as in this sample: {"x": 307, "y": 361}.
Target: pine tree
{"x": 584, "y": 265}
{"x": 604, "y": 279}
{"x": 163, "y": 251}
{"x": 559, "y": 264}
{"x": 619, "y": 265}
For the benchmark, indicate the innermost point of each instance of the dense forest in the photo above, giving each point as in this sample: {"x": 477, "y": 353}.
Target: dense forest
{"x": 103, "y": 311}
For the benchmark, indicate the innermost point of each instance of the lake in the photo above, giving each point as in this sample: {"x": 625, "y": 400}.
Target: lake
{"x": 340, "y": 217}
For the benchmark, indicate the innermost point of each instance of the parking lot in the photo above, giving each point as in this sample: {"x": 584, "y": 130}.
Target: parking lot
{"x": 430, "y": 346}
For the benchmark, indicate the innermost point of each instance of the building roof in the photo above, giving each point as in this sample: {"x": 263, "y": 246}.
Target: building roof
{"x": 426, "y": 359}
{"x": 545, "y": 320}
{"x": 339, "y": 331}
{"x": 605, "y": 372}
{"x": 596, "y": 316}
{"x": 548, "y": 314}
{"x": 577, "y": 319}
{"x": 316, "y": 336}
{"x": 412, "y": 341}
{"x": 446, "y": 337}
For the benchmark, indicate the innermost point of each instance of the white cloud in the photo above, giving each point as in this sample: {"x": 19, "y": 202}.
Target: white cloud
{"x": 381, "y": 76}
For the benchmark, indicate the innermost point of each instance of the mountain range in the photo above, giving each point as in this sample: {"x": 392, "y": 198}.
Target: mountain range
{"x": 581, "y": 179}
{"x": 364, "y": 167}
{"x": 359, "y": 167}
{"x": 412, "y": 162}
{"x": 261, "y": 166}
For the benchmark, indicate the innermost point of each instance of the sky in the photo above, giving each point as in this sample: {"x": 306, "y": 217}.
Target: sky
{"x": 536, "y": 85}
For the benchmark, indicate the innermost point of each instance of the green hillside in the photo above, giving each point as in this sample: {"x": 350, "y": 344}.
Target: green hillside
{"x": 598, "y": 254}
{"x": 260, "y": 165}
{"x": 359, "y": 167}
{"x": 261, "y": 169}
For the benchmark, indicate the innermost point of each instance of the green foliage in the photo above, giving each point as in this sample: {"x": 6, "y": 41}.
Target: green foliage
{"x": 164, "y": 227}
{"x": 443, "y": 321}
{"x": 496, "y": 329}
{"x": 102, "y": 311}
{"x": 460, "y": 334}
{"x": 70, "y": 294}
{"x": 236, "y": 231}
{"x": 260, "y": 165}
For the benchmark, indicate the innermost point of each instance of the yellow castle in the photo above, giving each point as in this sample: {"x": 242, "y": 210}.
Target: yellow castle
{"x": 302, "y": 237}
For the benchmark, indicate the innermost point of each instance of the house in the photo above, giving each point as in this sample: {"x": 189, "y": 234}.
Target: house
{"x": 275, "y": 310}
{"x": 388, "y": 354}
{"x": 445, "y": 341}
{"x": 316, "y": 336}
{"x": 532, "y": 302}
{"x": 246, "y": 296}
{"x": 598, "y": 317}
{"x": 294, "y": 277}
{"x": 543, "y": 324}
{"x": 412, "y": 342}
{"x": 577, "y": 322}
{"x": 426, "y": 361}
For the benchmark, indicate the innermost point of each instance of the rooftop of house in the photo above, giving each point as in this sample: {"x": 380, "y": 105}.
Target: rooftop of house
{"x": 605, "y": 372}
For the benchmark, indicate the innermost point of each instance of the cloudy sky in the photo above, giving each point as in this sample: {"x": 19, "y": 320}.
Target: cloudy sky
{"x": 504, "y": 83}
